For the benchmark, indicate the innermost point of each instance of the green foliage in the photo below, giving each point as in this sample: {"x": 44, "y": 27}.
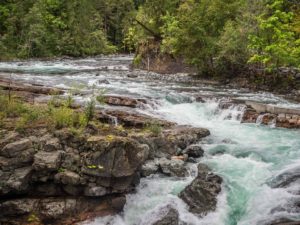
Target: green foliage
{"x": 101, "y": 96}
{"x": 154, "y": 128}
{"x": 61, "y": 117}
{"x": 12, "y": 107}
{"x": 44, "y": 28}
{"x": 276, "y": 44}
{"x": 33, "y": 218}
{"x": 218, "y": 37}
{"x": 89, "y": 110}
{"x": 61, "y": 170}
{"x": 69, "y": 101}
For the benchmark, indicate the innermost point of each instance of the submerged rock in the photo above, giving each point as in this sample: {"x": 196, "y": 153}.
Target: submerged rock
{"x": 170, "y": 217}
{"x": 201, "y": 194}
{"x": 194, "y": 151}
{"x": 284, "y": 221}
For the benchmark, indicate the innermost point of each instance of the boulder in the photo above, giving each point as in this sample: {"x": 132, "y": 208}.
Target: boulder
{"x": 67, "y": 177}
{"x": 95, "y": 191}
{"x": 284, "y": 221}
{"x": 185, "y": 135}
{"x": 15, "y": 148}
{"x": 171, "y": 142}
{"x": 114, "y": 156}
{"x": 52, "y": 145}
{"x": 201, "y": 194}
{"x": 23, "y": 159}
{"x": 18, "y": 181}
{"x": 124, "y": 101}
{"x": 194, "y": 151}
{"x": 130, "y": 119}
{"x": 173, "y": 167}
{"x": 49, "y": 161}
{"x": 170, "y": 217}
{"x": 149, "y": 167}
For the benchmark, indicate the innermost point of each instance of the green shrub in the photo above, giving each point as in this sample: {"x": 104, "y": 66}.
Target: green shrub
{"x": 69, "y": 101}
{"x": 2, "y": 118}
{"x": 21, "y": 124}
{"x": 61, "y": 117}
{"x": 11, "y": 107}
{"x": 89, "y": 110}
{"x": 79, "y": 120}
{"x": 155, "y": 128}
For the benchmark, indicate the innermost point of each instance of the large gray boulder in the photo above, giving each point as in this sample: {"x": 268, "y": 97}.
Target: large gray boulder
{"x": 67, "y": 177}
{"x": 15, "y": 148}
{"x": 114, "y": 156}
{"x": 201, "y": 194}
{"x": 149, "y": 167}
{"x": 49, "y": 161}
{"x": 174, "y": 167}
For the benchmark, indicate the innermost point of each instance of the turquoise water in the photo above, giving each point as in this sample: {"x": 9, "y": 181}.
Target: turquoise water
{"x": 254, "y": 156}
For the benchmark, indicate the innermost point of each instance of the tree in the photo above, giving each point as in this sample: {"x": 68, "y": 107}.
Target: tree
{"x": 276, "y": 44}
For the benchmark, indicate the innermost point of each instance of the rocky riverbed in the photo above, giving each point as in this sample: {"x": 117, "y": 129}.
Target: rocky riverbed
{"x": 215, "y": 155}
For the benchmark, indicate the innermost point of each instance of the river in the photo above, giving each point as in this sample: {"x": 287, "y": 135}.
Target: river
{"x": 253, "y": 160}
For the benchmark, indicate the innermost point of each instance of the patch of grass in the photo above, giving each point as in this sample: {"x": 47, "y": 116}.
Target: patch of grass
{"x": 120, "y": 128}
{"x": 2, "y": 118}
{"x": 12, "y": 107}
{"x": 61, "y": 170}
{"x": 61, "y": 117}
{"x": 89, "y": 110}
{"x": 69, "y": 101}
{"x": 155, "y": 128}
{"x": 101, "y": 96}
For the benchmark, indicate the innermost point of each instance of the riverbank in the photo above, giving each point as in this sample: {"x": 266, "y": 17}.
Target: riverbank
{"x": 56, "y": 172}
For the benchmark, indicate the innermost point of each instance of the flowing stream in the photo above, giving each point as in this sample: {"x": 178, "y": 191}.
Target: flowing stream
{"x": 254, "y": 160}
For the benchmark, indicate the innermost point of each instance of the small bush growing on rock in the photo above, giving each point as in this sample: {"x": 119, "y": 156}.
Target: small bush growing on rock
{"x": 154, "y": 128}
{"x": 69, "y": 101}
{"x": 90, "y": 110}
{"x": 79, "y": 120}
{"x": 33, "y": 218}
{"x": 61, "y": 170}
{"x": 2, "y": 117}
{"x": 11, "y": 106}
{"x": 100, "y": 97}
{"x": 120, "y": 128}
{"x": 61, "y": 117}
{"x": 21, "y": 125}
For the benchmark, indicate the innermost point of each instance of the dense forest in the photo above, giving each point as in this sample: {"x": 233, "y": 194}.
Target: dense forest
{"x": 214, "y": 36}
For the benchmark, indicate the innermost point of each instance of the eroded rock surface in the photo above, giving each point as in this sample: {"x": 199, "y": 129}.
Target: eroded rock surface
{"x": 170, "y": 217}
{"x": 59, "y": 175}
{"x": 201, "y": 194}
